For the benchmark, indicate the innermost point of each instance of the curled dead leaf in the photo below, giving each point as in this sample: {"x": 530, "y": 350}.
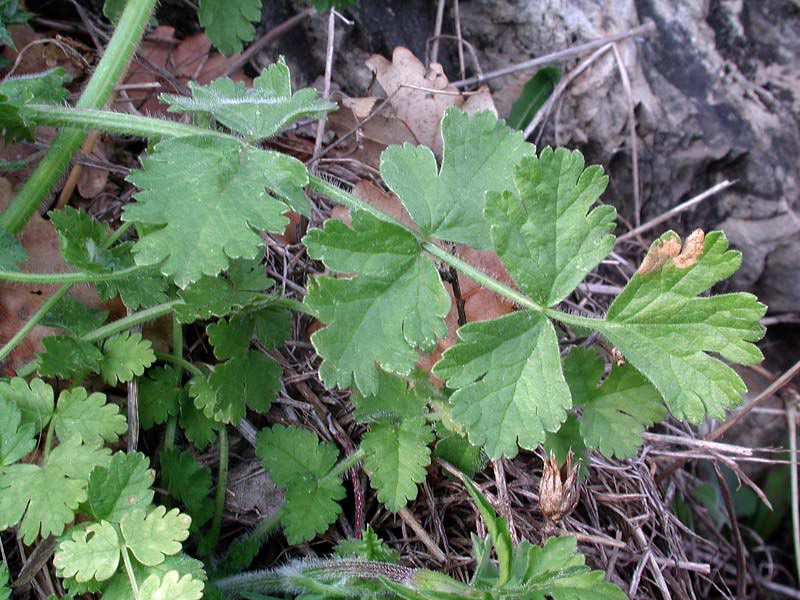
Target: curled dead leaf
{"x": 670, "y": 249}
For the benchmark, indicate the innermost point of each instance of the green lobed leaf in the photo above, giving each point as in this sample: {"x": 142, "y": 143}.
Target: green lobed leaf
{"x": 242, "y": 285}
{"x": 210, "y": 196}
{"x": 145, "y": 288}
{"x": 509, "y": 385}
{"x": 272, "y": 326}
{"x": 310, "y": 508}
{"x": 258, "y": 112}
{"x": 88, "y": 416}
{"x": 396, "y": 456}
{"x": 394, "y": 400}
{"x": 34, "y": 400}
{"x": 43, "y": 499}
{"x": 557, "y": 571}
{"x": 396, "y": 304}
{"x": 247, "y": 380}
{"x": 124, "y": 356}
{"x": 230, "y": 337}
{"x": 159, "y": 395}
{"x": 478, "y": 156}
{"x": 171, "y": 586}
{"x": 369, "y": 547}
{"x": 666, "y": 332}
{"x": 154, "y": 535}
{"x": 119, "y": 586}
{"x": 616, "y": 412}
{"x": 5, "y": 591}
{"x": 91, "y": 552}
{"x": 81, "y": 239}
{"x": 291, "y": 454}
{"x": 199, "y": 429}
{"x": 298, "y": 461}
{"x": 457, "y": 450}
{"x": 188, "y": 482}
{"x": 16, "y": 438}
{"x": 74, "y": 317}
{"x": 125, "y": 484}
{"x": 544, "y": 237}
{"x": 65, "y": 356}
{"x": 534, "y": 94}
{"x": 46, "y": 87}
{"x": 12, "y": 253}
{"x": 228, "y": 23}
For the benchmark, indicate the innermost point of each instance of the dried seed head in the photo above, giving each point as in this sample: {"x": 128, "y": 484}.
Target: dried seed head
{"x": 557, "y": 497}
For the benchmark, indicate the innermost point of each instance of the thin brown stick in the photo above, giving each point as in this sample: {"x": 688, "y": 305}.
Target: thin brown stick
{"x": 543, "y": 112}
{"x": 626, "y": 85}
{"x": 266, "y": 39}
{"x": 791, "y": 419}
{"x": 327, "y": 86}
{"x": 773, "y": 388}
{"x": 738, "y": 543}
{"x": 437, "y": 31}
{"x": 502, "y": 498}
{"x": 675, "y": 210}
{"x": 411, "y": 521}
{"x": 558, "y": 56}
{"x": 460, "y": 43}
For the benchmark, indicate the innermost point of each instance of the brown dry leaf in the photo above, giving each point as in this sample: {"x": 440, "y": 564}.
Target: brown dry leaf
{"x": 420, "y": 110}
{"x": 19, "y": 301}
{"x": 41, "y": 53}
{"x": 187, "y": 60}
{"x": 410, "y": 115}
{"x": 372, "y": 138}
{"x": 93, "y": 179}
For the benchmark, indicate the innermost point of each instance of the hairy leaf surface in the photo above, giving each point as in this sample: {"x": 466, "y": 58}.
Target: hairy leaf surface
{"x": 258, "y": 112}
{"x": 209, "y": 195}
{"x": 65, "y": 355}
{"x": 15, "y": 92}
{"x": 171, "y": 586}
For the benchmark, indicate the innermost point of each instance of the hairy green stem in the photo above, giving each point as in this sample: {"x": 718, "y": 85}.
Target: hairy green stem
{"x": 341, "y": 577}
{"x": 115, "y": 59}
{"x": 48, "y": 442}
{"x": 481, "y": 277}
{"x": 114, "y": 122}
{"x": 76, "y": 277}
{"x": 222, "y": 486}
{"x": 117, "y": 234}
{"x": 136, "y": 318}
{"x": 343, "y": 465}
